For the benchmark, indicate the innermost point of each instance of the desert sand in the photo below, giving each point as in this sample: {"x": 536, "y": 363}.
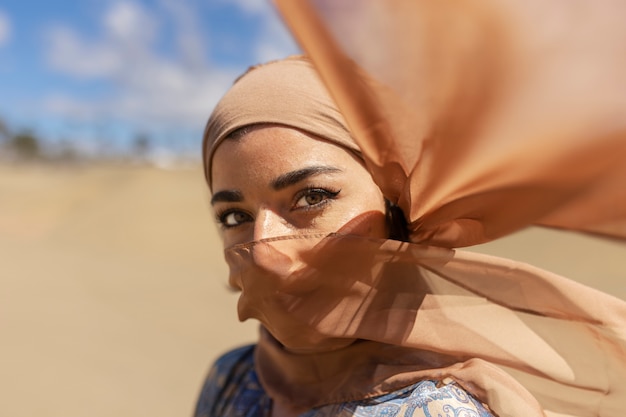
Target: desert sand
{"x": 113, "y": 296}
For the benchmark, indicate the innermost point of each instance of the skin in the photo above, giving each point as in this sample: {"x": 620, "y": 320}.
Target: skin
{"x": 278, "y": 181}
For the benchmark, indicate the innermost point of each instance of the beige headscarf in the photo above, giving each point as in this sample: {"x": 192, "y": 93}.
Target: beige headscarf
{"x": 287, "y": 92}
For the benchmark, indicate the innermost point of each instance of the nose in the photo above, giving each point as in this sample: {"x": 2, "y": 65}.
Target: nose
{"x": 270, "y": 224}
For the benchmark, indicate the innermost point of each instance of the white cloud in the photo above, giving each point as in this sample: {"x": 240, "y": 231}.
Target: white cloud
{"x": 5, "y": 28}
{"x": 128, "y": 22}
{"x": 274, "y": 41}
{"x": 251, "y": 6}
{"x": 148, "y": 86}
{"x": 127, "y": 41}
{"x": 70, "y": 54}
{"x": 151, "y": 86}
{"x": 191, "y": 43}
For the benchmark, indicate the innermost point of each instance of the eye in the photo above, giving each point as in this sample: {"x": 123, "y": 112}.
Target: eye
{"x": 314, "y": 197}
{"x": 232, "y": 218}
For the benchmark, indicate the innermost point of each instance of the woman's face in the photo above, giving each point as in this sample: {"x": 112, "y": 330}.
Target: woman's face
{"x": 276, "y": 181}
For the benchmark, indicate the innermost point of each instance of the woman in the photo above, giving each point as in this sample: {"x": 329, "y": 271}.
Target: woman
{"x": 354, "y": 323}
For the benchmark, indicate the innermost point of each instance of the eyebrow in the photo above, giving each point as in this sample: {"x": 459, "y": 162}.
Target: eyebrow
{"x": 282, "y": 181}
{"x": 294, "y": 177}
{"x": 226, "y": 196}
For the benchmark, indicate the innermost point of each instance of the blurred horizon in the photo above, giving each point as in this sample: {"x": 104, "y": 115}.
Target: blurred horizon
{"x": 117, "y": 77}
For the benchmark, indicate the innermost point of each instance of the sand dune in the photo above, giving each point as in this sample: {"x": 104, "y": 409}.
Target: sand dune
{"x": 114, "y": 298}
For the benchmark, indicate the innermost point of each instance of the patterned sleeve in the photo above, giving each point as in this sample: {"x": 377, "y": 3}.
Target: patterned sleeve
{"x": 223, "y": 379}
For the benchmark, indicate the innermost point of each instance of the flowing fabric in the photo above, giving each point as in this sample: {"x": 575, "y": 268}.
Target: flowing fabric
{"x": 478, "y": 118}
{"x": 523, "y": 341}
{"x": 483, "y": 116}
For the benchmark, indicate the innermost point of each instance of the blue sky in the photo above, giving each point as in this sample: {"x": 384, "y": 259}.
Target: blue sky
{"x": 99, "y": 72}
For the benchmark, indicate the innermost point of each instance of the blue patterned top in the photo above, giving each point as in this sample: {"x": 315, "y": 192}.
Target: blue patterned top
{"x": 232, "y": 389}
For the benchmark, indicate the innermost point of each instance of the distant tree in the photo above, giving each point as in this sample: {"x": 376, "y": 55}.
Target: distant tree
{"x": 5, "y": 133}
{"x": 65, "y": 151}
{"x": 25, "y": 144}
{"x": 141, "y": 145}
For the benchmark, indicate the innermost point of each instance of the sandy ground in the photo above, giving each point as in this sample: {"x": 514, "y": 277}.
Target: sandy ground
{"x": 113, "y": 298}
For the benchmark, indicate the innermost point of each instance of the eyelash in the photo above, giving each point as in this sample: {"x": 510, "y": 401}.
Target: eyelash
{"x": 221, "y": 216}
{"x": 327, "y": 194}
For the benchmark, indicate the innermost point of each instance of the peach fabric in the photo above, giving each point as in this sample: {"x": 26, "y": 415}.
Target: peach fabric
{"x": 481, "y": 117}
{"x": 287, "y": 92}
{"x": 358, "y": 317}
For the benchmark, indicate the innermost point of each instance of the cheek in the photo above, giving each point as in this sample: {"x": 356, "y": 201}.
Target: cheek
{"x": 370, "y": 224}
{"x": 364, "y": 217}
{"x": 365, "y": 204}
{"x": 236, "y": 235}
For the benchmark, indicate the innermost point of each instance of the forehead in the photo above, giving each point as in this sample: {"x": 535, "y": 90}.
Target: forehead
{"x": 266, "y": 152}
